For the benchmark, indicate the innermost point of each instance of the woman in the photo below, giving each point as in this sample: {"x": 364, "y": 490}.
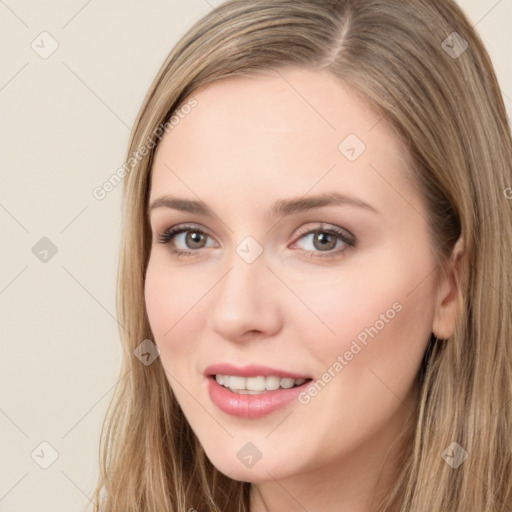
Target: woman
{"x": 315, "y": 281}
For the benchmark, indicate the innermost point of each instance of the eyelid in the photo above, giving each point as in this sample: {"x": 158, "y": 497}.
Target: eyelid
{"x": 164, "y": 236}
{"x": 324, "y": 227}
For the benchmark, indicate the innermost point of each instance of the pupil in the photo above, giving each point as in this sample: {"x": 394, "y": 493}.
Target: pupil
{"x": 323, "y": 237}
{"x": 194, "y": 237}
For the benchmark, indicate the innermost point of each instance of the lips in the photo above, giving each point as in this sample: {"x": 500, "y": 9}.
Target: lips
{"x": 252, "y": 405}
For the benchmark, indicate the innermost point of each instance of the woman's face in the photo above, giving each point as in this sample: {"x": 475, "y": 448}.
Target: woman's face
{"x": 249, "y": 175}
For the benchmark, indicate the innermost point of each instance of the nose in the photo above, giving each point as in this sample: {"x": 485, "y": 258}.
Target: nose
{"x": 246, "y": 302}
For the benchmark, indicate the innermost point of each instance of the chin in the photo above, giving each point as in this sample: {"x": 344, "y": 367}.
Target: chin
{"x": 250, "y": 474}
{"x": 261, "y": 471}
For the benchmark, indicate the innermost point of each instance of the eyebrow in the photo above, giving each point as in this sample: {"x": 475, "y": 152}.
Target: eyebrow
{"x": 282, "y": 207}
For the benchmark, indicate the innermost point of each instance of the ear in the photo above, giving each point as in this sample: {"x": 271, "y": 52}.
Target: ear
{"x": 445, "y": 314}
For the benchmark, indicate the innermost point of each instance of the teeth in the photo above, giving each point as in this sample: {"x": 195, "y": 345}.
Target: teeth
{"x": 272, "y": 383}
{"x": 255, "y": 385}
{"x": 287, "y": 383}
{"x": 251, "y": 383}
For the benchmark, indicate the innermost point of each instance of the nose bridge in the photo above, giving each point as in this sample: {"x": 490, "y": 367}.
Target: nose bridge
{"x": 242, "y": 302}
{"x": 245, "y": 276}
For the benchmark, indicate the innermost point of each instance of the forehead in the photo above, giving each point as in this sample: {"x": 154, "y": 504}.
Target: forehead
{"x": 289, "y": 130}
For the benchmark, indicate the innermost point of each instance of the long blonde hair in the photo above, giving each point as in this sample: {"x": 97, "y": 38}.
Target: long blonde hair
{"x": 409, "y": 59}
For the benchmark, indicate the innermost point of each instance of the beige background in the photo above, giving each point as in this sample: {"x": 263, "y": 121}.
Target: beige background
{"x": 65, "y": 121}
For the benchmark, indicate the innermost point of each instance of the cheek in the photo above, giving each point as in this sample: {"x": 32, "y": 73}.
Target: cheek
{"x": 175, "y": 312}
{"x": 174, "y": 308}
{"x": 375, "y": 315}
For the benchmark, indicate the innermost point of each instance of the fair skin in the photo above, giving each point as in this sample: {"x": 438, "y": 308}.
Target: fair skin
{"x": 250, "y": 142}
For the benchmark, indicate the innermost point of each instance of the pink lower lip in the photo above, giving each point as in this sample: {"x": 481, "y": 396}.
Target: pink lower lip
{"x": 251, "y": 406}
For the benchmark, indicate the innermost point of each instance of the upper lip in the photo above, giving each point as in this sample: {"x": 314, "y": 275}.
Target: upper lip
{"x": 251, "y": 370}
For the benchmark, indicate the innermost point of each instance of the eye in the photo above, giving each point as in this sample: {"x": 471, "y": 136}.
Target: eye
{"x": 189, "y": 236}
{"x": 327, "y": 242}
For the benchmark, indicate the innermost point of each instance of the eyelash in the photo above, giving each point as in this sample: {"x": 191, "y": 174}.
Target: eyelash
{"x": 169, "y": 234}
